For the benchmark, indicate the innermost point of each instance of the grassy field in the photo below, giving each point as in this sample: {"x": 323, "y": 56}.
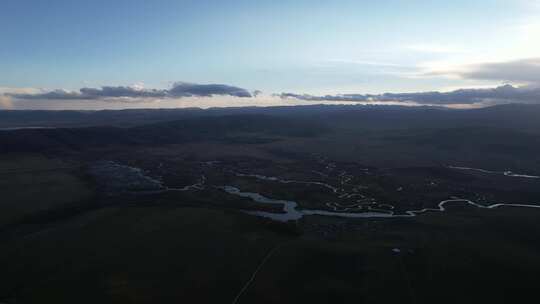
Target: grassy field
{"x": 33, "y": 184}
{"x": 136, "y": 255}
{"x": 457, "y": 257}
{"x": 173, "y": 254}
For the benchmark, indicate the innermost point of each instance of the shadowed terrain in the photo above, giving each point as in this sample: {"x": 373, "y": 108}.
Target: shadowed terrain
{"x": 387, "y": 204}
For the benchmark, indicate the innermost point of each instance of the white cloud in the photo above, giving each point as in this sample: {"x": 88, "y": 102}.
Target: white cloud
{"x": 5, "y": 102}
{"x": 8, "y": 90}
{"x": 507, "y": 52}
{"x": 435, "y": 48}
{"x": 521, "y": 72}
{"x": 529, "y": 36}
{"x": 364, "y": 62}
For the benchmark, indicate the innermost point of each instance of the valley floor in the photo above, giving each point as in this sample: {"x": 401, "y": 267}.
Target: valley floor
{"x": 153, "y": 225}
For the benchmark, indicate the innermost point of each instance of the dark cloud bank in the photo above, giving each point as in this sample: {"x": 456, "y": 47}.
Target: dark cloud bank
{"x": 525, "y": 71}
{"x": 506, "y": 93}
{"x": 502, "y": 94}
{"x": 517, "y": 71}
{"x": 178, "y": 90}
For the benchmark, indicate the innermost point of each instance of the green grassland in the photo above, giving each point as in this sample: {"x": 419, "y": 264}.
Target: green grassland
{"x": 34, "y": 184}
{"x": 149, "y": 254}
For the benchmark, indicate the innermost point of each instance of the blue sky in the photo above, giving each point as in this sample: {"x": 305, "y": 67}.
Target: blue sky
{"x": 314, "y": 47}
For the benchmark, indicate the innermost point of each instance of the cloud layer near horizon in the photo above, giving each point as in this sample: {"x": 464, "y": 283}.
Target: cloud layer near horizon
{"x": 178, "y": 90}
{"x": 506, "y": 94}
{"x": 126, "y": 94}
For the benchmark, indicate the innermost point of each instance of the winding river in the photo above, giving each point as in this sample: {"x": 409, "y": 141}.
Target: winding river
{"x": 292, "y": 213}
{"x": 284, "y": 181}
{"x": 505, "y": 173}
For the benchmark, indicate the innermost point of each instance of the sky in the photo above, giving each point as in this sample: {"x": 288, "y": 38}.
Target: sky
{"x": 299, "y": 47}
